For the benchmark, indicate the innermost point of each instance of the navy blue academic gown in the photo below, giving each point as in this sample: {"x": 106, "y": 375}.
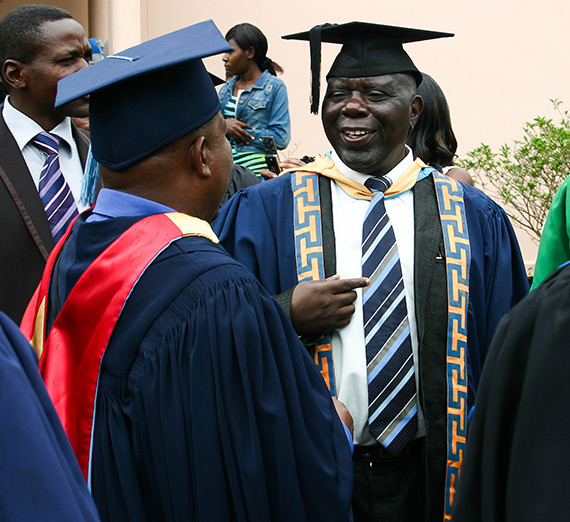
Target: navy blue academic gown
{"x": 208, "y": 406}
{"x": 39, "y": 476}
{"x": 256, "y": 227}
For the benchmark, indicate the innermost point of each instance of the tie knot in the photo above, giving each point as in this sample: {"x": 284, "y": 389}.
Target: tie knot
{"x": 380, "y": 184}
{"x": 47, "y": 143}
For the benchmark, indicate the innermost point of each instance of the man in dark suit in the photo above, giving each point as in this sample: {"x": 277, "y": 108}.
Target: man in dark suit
{"x": 39, "y": 45}
{"x": 408, "y": 368}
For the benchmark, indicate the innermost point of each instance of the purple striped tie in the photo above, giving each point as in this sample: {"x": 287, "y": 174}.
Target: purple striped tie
{"x": 54, "y": 191}
{"x": 390, "y": 364}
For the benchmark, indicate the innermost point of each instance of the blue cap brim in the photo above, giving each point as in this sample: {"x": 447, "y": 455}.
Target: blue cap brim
{"x": 148, "y": 96}
{"x": 191, "y": 43}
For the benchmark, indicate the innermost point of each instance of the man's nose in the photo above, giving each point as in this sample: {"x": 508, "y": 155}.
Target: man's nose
{"x": 355, "y": 104}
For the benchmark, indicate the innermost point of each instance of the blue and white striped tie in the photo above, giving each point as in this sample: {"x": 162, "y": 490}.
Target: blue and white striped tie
{"x": 54, "y": 191}
{"x": 390, "y": 364}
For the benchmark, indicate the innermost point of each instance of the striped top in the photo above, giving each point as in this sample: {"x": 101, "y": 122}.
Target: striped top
{"x": 254, "y": 161}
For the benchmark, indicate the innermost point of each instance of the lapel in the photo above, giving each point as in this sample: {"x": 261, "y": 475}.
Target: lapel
{"x": 428, "y": 246}
{"x": 18, "y": 180}
{"x": 82, "y": 141}
{"x": 23, "y": 191}
{"x": 329, "y": 245}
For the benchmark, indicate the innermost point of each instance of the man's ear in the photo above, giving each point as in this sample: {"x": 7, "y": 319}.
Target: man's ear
{"x": 416, "y": 106}
{"x": 199, "y": 156}
{"x": 14, "y": 75}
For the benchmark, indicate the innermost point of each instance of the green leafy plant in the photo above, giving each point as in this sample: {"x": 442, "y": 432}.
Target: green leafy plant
{"x": 526, "y": 175}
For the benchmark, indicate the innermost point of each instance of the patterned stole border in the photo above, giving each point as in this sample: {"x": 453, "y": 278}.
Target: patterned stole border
{"x": 458, "y": 260}
{"x": 309, "y": 255}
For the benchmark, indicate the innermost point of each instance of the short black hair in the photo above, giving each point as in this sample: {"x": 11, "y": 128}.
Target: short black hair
{"x": 21, "y": 33}
{"x": 433, "y": 139}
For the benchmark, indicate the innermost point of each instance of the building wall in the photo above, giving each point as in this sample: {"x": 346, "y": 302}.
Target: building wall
{"x": 78, "y": 8}
{"x": 502, "y": 67}
{"x": 506, "y": 61}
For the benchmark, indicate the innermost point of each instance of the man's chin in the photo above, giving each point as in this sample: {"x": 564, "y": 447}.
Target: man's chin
{"x": 360, "y": 162}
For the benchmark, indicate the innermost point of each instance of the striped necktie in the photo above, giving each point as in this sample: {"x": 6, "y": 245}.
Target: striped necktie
{"x": 390, "y": 364}
{"x": 54, "y": 191}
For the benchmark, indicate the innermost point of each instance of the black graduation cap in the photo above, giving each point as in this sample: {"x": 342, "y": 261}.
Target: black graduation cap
{"x": 367, "y": 50}
{"x": 148, "y": 96}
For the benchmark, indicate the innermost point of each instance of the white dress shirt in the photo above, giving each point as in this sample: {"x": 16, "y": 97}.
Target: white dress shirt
{"x": 24, "y": 129}
{"x": 349, "y": 352}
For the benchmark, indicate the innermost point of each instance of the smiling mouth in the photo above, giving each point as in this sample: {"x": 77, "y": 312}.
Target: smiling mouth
{"x": 355, "y": 134}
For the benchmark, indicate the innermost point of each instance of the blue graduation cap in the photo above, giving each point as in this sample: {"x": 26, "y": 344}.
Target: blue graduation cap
{"x": 148, "y": 96}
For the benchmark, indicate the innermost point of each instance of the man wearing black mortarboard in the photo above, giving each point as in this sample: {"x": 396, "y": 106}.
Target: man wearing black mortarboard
{"x": 181, "y": 385}
{"x": 393, "y": 275}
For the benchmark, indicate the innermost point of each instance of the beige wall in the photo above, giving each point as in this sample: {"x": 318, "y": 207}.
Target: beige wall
{"x": 505, "y": 62}
{"x": 78, "y": 8}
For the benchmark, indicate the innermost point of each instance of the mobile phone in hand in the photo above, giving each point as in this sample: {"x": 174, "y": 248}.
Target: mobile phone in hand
{"x": 271, "y": 156}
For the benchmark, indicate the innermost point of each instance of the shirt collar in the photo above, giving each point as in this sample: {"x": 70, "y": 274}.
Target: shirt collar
{"x": 114, "y": 203}
{"x": 259, "y": 83}
{"x": 24, "y": 129}
{"x": 394, "y": 174}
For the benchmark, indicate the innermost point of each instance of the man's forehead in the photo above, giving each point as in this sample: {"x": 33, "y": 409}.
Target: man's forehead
{"x": 62, "y": 37}
{"x": 364, "y": 81}
{"x": 63, "y": 29}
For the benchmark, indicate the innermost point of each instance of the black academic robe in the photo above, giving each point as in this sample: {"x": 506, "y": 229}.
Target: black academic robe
{"x": 208, "y": 407}
{"x": 516, "y": 463}
{"x": 39, "y": 476}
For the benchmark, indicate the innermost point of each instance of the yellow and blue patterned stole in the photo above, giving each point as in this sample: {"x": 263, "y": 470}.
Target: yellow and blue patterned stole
{"x": 310, "y": 266}
{"x": 458, "y": 260}
{"x": 309, "y": 255}
{"x": 307, "y": 228}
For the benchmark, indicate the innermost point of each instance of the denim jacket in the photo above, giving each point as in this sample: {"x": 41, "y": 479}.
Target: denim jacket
{"x": 265, "y": 107}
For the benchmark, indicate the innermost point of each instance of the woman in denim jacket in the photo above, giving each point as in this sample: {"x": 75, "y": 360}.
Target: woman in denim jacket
{"x": 254, "y": 101}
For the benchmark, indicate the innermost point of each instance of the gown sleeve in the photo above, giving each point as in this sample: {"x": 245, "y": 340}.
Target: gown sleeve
{"x": 39, "y": 476}
{"x": 256, "y": 227}
{"x": 228, "y": 416}
{"x": 498, "y": 279}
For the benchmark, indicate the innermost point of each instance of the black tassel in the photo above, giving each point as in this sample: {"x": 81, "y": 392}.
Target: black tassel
{"x": 315, "y": 49}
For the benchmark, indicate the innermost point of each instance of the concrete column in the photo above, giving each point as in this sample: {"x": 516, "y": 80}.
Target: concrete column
{"x": 119, "y": 23}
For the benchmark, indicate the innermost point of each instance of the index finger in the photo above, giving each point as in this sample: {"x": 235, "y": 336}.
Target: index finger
{"x": 290, "y": 163}
{"x": 347, "y": 285}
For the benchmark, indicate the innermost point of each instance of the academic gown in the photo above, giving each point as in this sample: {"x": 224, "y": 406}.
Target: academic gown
{"x": 208, "y": 407}
{"x": 256, "y": 227}
{"x": 516, "y": 463}
{"x": 39, "y": 476}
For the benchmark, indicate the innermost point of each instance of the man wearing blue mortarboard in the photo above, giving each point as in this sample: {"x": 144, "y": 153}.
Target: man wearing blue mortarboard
{"x": 183, "y": 388}
{"x": 428, "y": 268}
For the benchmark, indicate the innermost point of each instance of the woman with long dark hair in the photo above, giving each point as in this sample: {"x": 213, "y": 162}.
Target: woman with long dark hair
{"x": 254, "y": 101}
{"x": 432, "y": 139}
